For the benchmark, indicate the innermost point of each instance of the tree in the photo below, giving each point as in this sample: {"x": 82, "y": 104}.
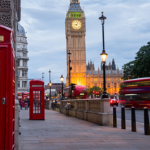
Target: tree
{"x": 140, "y": 67}
{"x": 96, "y": 89}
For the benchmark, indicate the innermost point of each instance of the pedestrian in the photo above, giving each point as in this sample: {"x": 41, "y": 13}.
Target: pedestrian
{"x": 21, "y": 103}
{"x": 26, "y": 106}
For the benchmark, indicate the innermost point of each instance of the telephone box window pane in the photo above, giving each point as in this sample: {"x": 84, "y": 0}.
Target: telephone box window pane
{"x": 36, "y": 102}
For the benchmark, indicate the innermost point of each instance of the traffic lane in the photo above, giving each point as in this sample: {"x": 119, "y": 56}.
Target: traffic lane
{"x": 139, "y": 114}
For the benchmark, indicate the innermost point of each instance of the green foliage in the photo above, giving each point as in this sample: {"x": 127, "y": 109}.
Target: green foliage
{"x": 96, "y": 89}
{"x": 140, "y": 67}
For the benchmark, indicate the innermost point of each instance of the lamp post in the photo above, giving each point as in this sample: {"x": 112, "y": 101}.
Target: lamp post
{"x": 103, "y": 57}
{"x": 62, "y": 79}
{"x": 70, "y": 68}
{"x": 43, "y": 76}
{"x": 50, "y": 85}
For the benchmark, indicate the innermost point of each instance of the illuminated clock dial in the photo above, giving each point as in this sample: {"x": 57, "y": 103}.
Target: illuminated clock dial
{"x": 76, "y": 24}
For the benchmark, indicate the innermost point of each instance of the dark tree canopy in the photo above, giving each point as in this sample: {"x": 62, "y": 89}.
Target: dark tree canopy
{"x": 140, "y": 67}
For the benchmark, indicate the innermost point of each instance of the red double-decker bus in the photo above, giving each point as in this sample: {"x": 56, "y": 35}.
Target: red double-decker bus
{"x": 135, "y": 93}
{"x": 80, "y": 92}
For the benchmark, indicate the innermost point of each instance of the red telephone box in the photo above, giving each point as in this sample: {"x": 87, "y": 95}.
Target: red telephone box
{"x": 7, "y": 89}
{"x": 37, "y": 103}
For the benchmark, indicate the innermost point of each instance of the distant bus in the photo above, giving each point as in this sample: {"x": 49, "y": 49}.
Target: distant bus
{"x": 135, "y": 92}
{"x": 80, "y": 92}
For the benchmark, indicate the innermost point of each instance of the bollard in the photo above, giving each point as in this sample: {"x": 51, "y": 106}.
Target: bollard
{"x": 133, "y": 118}
{"x": 146, "y": 121}
{"x": 114, "y": 117}
{"x": 123, "y": 121}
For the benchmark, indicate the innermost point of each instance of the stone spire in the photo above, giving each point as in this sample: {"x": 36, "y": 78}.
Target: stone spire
{"x": 113, "y": 65}
{"x": 74, "y": 1}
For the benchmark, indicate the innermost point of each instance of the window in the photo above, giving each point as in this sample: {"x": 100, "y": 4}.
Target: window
{"x": 24, "y": 63}
{"x": 95, "y": 79}
{"x": 24, "y": 54}
{"x": 24, "y": 73}
{"x": 108, "y": 79}
{"x": 24, "y": 84}
{"x": 108, "y": 85}
{"x": 115, "y": 85}
{"x": 101, "y": 85}
{"x": 18, "y": 73}
{"x": 18, "y": 84}
{"x": 18, "y": 54}
{"x": 18, "y": 45}
{"x": 24, "y": 46}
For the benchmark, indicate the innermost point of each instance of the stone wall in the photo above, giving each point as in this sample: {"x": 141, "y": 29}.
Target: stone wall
{"x": 96, "y": 111}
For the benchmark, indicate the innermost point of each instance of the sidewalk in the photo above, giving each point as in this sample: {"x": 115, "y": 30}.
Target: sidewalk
{"x": 59, "y": 132}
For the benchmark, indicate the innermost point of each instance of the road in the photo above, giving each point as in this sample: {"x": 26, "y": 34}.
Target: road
{"x": 139, "y": 114}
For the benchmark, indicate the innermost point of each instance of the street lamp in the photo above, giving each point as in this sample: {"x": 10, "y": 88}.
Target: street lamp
{"x": 103, "y": 57}
{"x": 43, "y": 76}
{"x": 70, "y": 68}
{"x": 62, "y": 80}
{"x": 50, "y": 85}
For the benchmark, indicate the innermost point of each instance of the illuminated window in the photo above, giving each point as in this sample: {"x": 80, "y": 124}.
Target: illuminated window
{"x": 95, "y": 79}
{"x": 108, "y": 79}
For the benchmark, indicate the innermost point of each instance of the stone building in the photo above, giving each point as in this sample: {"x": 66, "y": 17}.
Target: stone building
{"x": 82, "y": 74}
{"x": 22, "y": 56}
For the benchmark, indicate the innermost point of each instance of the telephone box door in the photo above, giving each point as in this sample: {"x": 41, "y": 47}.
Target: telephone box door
{"x": 2, "y": 96}
{"x": 37, "y": 104}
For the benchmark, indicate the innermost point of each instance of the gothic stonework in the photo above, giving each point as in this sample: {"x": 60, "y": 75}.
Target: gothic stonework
{"x": 5, "y": 4}
{"x": 5, "y": 19}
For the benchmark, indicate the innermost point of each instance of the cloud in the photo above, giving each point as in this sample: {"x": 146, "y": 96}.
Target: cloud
{"x": 126, "y": 30}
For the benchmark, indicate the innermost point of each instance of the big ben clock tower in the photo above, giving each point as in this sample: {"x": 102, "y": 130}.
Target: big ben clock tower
{"x": 75, "y": 40}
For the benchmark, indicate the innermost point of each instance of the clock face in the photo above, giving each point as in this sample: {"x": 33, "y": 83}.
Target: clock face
{"x": 76, "y": 24}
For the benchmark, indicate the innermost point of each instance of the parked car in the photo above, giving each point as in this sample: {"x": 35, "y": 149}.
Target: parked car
{"x": 114, "y": 102}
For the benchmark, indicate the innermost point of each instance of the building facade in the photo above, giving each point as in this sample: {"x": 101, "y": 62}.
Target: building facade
{"x": 82, "y": 74}
{"x": 75, "y": 43}
{"x": 22, "y": 56}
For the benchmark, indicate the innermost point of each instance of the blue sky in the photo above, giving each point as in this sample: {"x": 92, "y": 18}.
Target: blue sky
{"x": 127, "y": 28}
